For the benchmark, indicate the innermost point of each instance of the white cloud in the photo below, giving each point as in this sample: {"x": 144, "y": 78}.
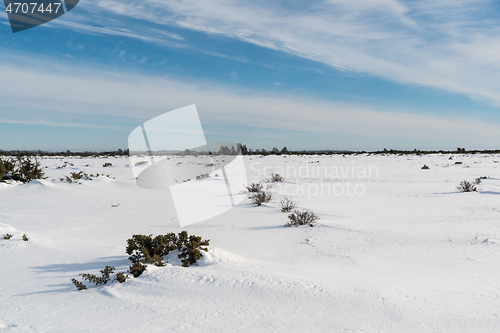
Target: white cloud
{"x": 55, "y": 124}
{"x": 87, "y": 92}
{"x": 450, "y": 44}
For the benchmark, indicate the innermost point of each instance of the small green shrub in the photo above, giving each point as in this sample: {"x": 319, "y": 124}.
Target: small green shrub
{"x": 76, "y": 177}
{"x": 120, "y": 277}
{"x": 97, "y": 280}
{"x": 103, "y": 279}
{"x": 79, "y": 285}
{"x": 260, "y": 198}
{"x": 7, "y": 236}
{"x": 3, "y": 170}
{"x": 190, "y": 250}
{"x": 137, "y": 269}
{"x": 21, "y": 168}
{"x": 254, "y": 187}
{"x": 287, "y": 205}
{"x": 25, "y": 238}
{"x": 29, "y": 169}
{"x": 301, "y": 218}
{"x": 146, "y": 249}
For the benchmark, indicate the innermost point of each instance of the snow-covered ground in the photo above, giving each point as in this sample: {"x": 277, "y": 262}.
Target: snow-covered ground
{"x": 397, "y": 249}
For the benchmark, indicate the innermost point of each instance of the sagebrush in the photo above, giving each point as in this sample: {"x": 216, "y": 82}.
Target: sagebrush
{"x": 275, "y": 178}
{"x": 203, "y": 176}
{"x": 302, "y": 218}
{"x": 260, "y": 197}
{"x": 479, "y": 180}
{"x": 254, "y": 187}
{"x": 287, "y": 204}
{"x": 466, "y": 186}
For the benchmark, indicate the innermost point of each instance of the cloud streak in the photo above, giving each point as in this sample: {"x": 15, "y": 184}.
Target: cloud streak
{"x": 56, "y": 124}
{"x": 87, "y": 93}
{"x": 451, "y": 45}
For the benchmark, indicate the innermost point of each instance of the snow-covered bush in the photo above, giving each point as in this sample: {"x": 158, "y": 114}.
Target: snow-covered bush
{"x": 287, "y": 204}
{"x": 479, "y": 179}
{"x": 79, "y": 285}
{"x": 107, "y": 164}
{"x": 466, "y": 186}
{"x": 25, "y": 238}
{"x": 97, "y": 280}
{"x": 76, "y": 177}
{"x": 6, "y": 168}
{"x": 21, "y": 168}
{"x": 7, "y": 236}
{"x": 203, "y": 176}
{"x": 190, "y": 250}
{"x": 103, "y": 279}
{"x": 120, "y": 277}
{"x": 146, "y": 249}
{"x": 254, "y": 187}
{"x": 137, "y": 269}
{"x": 275, "y": 177}
{"x": 260, "y": 197}
{"x": 300, "y": 218}
{"x": 3, "y": 169}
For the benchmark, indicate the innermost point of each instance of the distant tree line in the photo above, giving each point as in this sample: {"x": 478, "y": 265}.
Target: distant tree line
{"x": 67, "y": 153}
{"x": 242, "y": 148}
{"x": 284, "y": 151}
{"x": 424, "y": 152}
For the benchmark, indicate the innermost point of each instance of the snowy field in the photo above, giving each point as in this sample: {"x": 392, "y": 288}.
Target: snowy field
{"x": 397, "y": 249}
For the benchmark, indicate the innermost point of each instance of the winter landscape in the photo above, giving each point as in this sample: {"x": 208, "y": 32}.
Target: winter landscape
{"x": 367, "y": 218}
{"x": 396, "y": 248}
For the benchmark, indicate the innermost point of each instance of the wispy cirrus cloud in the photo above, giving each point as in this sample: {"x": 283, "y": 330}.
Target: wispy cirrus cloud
{"x": 87, "y": 94}
{"x": 56, "y": 124}
{"x": 147, "y": 35}
{"x": 450, "y": 45}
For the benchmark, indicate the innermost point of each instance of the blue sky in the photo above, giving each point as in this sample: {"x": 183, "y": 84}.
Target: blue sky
{"x": 337, "y": 74}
